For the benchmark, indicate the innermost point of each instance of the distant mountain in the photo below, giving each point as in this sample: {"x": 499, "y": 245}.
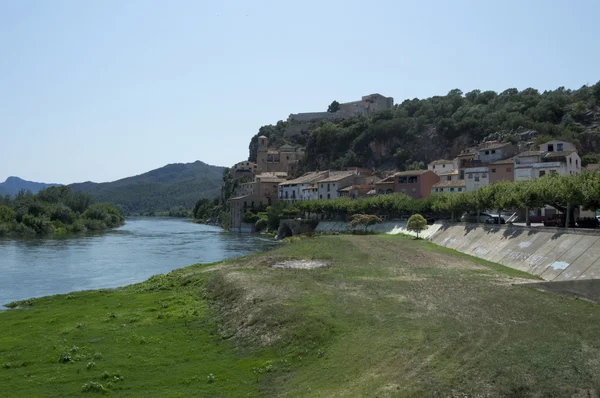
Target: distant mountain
{"x": 13, "y": 185}
{"x": 178, "y": 184}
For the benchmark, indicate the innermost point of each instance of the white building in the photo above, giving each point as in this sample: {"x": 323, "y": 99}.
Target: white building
{"x": 534, "y": 164}
{"x": 496, "y": 151}
{"x": 450, "y": 175}
{"x": 442, "y": 166}
{"x": 449, "y": 186}
{"x": 557, "y": 146}
{"x": 476, "y": 177}
{"x": 329, "y": 187}
{"x": 301, "y": 188}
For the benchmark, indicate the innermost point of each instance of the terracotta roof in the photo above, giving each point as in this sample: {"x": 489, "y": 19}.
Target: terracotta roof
{"x": 449, "y": 173}
{"x": 505, "y": 161}
{"x": 494, "y": 146}
{"x": 272, "y": 179}
{"x": 410, "y": 173}
{"x": 440, "y": 161}
{"x": 468, "y": 154}
{"x": 558, "y": 154}
{"x": 338, "y": 177}
{"x": 529, "y": 153}
{"x": 307, "y": 178}
{"x": 450, "y": 184}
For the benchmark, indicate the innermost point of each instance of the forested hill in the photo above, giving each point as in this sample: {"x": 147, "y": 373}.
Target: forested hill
{"x": 179, "y": 184}
{"x": 422, "y": 130}
{"x": 13, "y": 185}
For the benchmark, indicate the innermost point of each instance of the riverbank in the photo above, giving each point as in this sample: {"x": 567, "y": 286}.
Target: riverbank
{"x": 388, "y": 316}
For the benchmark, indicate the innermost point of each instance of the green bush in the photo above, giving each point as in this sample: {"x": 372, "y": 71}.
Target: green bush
{"x": 261, "y": 224}
{"x": 250, "y": 217}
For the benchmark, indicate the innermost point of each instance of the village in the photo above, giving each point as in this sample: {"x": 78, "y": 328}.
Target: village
{"x": 271, "y": 177}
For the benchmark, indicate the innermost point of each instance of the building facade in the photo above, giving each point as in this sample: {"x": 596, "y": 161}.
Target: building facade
{"x": 502, "y": 170}
{"x": 449, "y": 187}
{"x": 415, "y": 183}
{"x": 476, "y": 177}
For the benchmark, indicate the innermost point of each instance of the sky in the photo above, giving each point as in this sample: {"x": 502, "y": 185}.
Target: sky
{"x": 102, "y": 90}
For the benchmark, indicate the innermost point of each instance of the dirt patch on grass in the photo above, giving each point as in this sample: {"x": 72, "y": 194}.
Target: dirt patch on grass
{"x": 299, "y": 264}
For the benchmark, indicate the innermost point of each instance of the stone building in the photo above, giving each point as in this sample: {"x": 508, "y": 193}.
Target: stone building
{"x": 415, "y": 183}
{"x": 365, "y": 107}
{"x": 283, "y": 159}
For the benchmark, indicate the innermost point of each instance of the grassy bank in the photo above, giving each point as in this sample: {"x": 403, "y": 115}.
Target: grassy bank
{"x": 390, "y": 316}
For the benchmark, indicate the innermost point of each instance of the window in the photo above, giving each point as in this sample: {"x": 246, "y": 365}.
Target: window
{"x": 550, "y": 147}
{"x": 476, "y": 178}
{"x": 559, "y": 147}
{"x": 449, "y": 178}
{"x": 451, "y": 189}
{"x": 321, "y": 185}
{"x": 484, "y": 175}
{"x": 509, "y": 169}
{"x": 570, "y": 160}
{"x": 470, "y": 176}
{"x": 402, "y": 180}
{"x": 328, "y": 188}
{"x": 444, "y": 166}
{"x": 412, "y": 180}
{"x": 493, "y": 170}
{"x": 493, "y": 151}
{"x": 320, "y": 196}
{"x": 437, "y": 190}
{"x": 328, "y": 196}
{"x": 487, "y": 152}
{"x": 576, "y": 162}
{"x": 459, "y": 189}
{"x": 542, "y": 173}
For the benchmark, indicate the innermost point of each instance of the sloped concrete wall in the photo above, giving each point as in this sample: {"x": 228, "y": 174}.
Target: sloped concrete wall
{"x": 552, "y": 254}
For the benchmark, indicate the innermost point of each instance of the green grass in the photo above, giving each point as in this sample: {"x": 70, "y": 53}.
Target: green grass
{"x": 390, "y": 316}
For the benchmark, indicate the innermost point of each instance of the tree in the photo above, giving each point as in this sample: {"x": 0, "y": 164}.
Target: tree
{"x": 363, "y": 220}
{"x": 589, "y": 159}
{"x": 415, "y": 166}
{"x": 416, "y": 223}
{"x": 333, "y": 107}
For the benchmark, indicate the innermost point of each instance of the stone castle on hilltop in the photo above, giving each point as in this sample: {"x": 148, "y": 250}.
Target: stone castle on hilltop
{"x": 365, "y": 107}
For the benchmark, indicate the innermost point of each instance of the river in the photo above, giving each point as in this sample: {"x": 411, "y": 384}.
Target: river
{"x": 141, "y": 248}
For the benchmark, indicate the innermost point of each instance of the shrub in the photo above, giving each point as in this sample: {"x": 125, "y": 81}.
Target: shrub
{"x": 250, "y": 218}
{"x": 261, "y": 224}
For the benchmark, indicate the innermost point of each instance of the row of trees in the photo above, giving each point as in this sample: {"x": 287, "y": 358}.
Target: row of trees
{"x": 55, "y": 210}
{"x": 565, "y": 193}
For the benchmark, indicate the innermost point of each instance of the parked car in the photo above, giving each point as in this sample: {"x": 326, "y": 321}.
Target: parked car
{"x": 494, "y": 220}
{"x": 472, "y": 217}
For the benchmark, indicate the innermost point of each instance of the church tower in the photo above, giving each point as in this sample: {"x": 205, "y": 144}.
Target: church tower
{"x": 261, "y": 155}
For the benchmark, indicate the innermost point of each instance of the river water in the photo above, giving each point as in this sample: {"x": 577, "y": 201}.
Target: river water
{"x": 141, "y": 248}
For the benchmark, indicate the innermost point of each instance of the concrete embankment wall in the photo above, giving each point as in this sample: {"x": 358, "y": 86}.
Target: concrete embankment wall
{"x": 553, "y": 254}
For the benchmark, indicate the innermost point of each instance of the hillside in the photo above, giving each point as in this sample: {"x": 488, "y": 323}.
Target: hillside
{"x": 13, "y": 185}
{"x": 178, "y": 184}
{"x": 422, "y": 130}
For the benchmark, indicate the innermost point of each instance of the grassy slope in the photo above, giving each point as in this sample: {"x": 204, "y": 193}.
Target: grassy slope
{"x": 391, "y": 316}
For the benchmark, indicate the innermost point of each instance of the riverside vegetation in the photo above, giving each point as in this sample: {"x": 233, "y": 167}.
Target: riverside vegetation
{"x": 389, "y": 316}
{"x": 55, "y": 210}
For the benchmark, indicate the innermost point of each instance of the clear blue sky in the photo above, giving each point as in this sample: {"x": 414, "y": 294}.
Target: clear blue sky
{"x": 101, "y": 90}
